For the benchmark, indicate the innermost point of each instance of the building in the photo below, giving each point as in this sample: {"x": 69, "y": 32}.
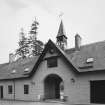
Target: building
{"x": 75, "y": 75}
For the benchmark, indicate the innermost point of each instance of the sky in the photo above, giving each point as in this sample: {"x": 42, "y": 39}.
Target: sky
{"x": 85, "y": 17}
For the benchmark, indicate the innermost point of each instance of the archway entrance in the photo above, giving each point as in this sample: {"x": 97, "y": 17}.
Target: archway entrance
{"x": 52, "y": 86}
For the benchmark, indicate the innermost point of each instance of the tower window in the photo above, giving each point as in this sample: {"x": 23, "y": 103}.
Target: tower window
{"x": 26, "y": 89}
{"x": 10, "y": 89}
{"x": 52, "y": 62}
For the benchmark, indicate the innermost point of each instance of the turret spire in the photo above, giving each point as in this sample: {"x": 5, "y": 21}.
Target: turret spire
{"x": 61, "y": 30}
{"x": 61, "y": 37}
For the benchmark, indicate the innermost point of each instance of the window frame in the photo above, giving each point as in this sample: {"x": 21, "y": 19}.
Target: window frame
{"x": 26, "y": 89}
{"x": 52, "y": 62}
{"x": 10, "y": 89}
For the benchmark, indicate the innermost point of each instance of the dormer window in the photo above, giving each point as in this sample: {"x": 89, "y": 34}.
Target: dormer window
{"x": 13, "y": 71}
{"x": 52, "y": 62}
{"x": 26, "y": 70}
{"x": 90, "y": 60}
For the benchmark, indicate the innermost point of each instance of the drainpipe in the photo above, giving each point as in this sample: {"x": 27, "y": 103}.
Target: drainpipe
{"x": 14, "y": 88}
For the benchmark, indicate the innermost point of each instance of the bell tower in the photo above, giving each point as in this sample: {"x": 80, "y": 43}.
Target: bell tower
{"x": 61, "y": 39}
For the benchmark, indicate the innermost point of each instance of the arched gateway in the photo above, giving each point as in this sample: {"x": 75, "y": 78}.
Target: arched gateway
{"x": 52, "y": 86}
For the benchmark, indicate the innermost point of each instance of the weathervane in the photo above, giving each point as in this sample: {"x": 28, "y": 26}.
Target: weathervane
{"x": 61, "y": 14}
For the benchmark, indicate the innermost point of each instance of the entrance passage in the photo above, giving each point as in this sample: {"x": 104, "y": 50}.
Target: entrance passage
{"x": 1, "y": 92}
{"x": 52, "y": 86}
{"x": 97, "y": 91}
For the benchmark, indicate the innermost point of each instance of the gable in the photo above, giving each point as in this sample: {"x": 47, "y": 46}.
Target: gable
{"x": 62, "y": 69}
{"x": 57, "y": 52}
{"x": 51, "y": 52}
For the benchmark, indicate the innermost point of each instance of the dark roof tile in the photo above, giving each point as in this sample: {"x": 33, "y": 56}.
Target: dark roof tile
{"x": 19, "y": 66}
{"x": 96, "y": 51}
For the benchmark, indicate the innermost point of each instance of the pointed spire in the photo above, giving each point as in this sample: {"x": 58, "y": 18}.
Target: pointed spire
{"x": 61, "y": 30}
{"x": 61, "y": 37}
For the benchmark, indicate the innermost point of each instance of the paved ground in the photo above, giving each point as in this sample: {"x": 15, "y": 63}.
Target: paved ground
{"x": 4, "y": 102}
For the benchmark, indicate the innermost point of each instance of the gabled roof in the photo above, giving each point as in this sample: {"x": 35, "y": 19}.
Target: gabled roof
{"x": 50, "y": 44}
{"x": 77, "y": 60}
{"x": 30, "y": 63}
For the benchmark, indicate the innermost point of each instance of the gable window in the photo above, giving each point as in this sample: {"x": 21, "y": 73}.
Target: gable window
{"x": 10, "y": 89}
{"x": 26, "y": 89}
{"x": 52, "y": 62}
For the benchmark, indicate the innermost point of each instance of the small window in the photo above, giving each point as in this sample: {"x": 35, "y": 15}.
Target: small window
{"x": 26, "y": 89}
{"x": 10, "y": 89}
{"x": 52, "y": 62}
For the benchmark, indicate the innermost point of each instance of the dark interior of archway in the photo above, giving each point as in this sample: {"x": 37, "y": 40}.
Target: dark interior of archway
{"x": 52, "y": 87}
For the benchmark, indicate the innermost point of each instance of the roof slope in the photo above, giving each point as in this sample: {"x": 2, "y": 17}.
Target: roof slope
{"x": 17, "y": 69}
{"x": 96, "y": 51}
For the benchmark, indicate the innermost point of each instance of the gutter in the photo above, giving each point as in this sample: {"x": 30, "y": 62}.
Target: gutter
{"x": 14, "y": 89}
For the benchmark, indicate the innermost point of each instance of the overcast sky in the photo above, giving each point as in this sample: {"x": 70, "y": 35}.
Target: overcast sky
{"x": 85, "y": 17}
